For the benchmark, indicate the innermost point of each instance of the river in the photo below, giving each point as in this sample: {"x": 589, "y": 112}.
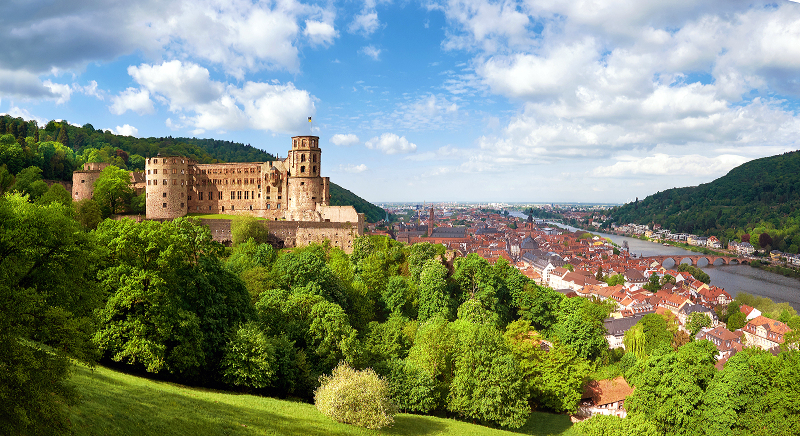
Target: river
{"x": 732, "y": 278}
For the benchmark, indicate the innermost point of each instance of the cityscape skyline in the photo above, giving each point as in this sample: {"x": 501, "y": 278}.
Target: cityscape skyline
{"x": 464, "y": 100}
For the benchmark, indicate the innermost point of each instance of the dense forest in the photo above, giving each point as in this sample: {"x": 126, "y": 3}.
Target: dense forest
{"x": 456, "y": 337}
{"x": 760, "y": 196}
{"x": 60, "y": 148}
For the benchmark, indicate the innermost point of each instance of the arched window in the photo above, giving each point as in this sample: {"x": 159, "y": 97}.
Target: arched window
{"x": 302, "y": 158}
{"x": 302, "y": 169}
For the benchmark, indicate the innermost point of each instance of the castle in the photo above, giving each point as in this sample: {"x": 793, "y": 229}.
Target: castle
{"x": 290, "y": 193}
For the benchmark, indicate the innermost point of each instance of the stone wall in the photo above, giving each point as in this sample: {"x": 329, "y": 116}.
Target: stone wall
{"x": 296, "y": 233}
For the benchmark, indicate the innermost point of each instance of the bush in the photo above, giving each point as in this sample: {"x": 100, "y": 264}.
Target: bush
{"x": 355, "y": 397}
{"x": 246, "y": 227}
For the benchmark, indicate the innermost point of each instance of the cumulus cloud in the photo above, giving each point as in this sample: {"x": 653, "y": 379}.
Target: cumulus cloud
{"x": 664, "y": 165}
{"x": 204, "y": 104}
{"x": 126, "y": 130}
{"x": 345, "y": 140}
{"x": 371, "y": 51}
{"x": 319, "y": 33}
{"x": 17, "y": 112}
{"x": 390, "y": 143}
{"x": 365, "y": 23}
{"x": 351, "y": 168}
{"x": 132, "y": 99}
{"x": 238, "y": 36}
{"x": 26, "y": 85}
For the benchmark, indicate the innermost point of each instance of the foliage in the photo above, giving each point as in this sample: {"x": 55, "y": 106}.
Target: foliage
{"x": 433, "y": 295}
{"x": 697, "y": 273}
{"x": 112, "y": 190}
{"x": 355, "y": 397}
{"x": 88, "y": 213}
{"x": 754, "y": 198}
{"x": 696, "y": 321}
{"x": 647, "y": 336}
{"x": 47, "y": 299}
{"x": 245, "y": 228}
{"x": 172, "y": 306}
{"x": 58, "y": 194}
{"x": 607, "y": 425}
{"x": 616, "y": 279}
{"x": 653, "y": 284}
{"x": 580, "y": 326}
{"x": 736, "y": 321}
{"x": 249, "y": 358}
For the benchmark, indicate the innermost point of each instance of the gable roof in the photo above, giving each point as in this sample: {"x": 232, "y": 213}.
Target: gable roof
{"x": 607, "y": 391}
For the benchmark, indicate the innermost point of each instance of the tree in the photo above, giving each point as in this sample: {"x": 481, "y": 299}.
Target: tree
{"x": 487, "y": 384}
{"x": 616, "y": 279}
{"x": 249, "y": 359}
{"x": 112, "y": 190}
{"x": 172, "y": 306}
{"x": 248, "y": 227}
{"x": 647, "y": 336}
{"x": 6, "y": 179}
{"x": 696, "y": 321}
{"x": 670, "y": 385}
{"x": 765, "y": 240}
{"x": 653, "y": 284}
{"x": 58, "y": 194}
{"x": 88, "y": 213}
{"x": 47, "y": 302}
{"x": 433, "y": 297}
{"x": 355, "y": 397}
{"x": 736, "y": 321}
{"x": 29, "y": 181}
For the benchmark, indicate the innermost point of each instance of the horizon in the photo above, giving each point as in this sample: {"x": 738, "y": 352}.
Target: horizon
{"x": 593, "y": 102}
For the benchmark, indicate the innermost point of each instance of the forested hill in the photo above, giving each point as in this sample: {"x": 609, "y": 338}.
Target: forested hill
{"x": 763, "y": 193}
{"x": 30, "y": 145}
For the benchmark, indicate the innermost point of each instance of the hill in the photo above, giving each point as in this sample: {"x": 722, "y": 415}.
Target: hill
{"x": 122, "y": 404}
{"x": 129, "y": 152}
{"x": 762, "y": 195}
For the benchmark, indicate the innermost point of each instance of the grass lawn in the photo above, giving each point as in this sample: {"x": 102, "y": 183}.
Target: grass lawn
{"x": 217, "y": 216}
{"x": 113, "y": 403}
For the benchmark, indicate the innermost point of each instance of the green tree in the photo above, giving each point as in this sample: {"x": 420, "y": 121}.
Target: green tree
{"x": 58, "y": 194}
{"x": 696, "y": 321}
{"x": 112, "y": 190}
{"x": 248, "y": 227}
{"x": 616, "y": 279}
{"x": 6, "y": 179}
{"x": 670, "y": 385}
{"x": 647, "y": 336}
{"x": 653, "y": 284}
{"x": 47, "y": 302}
{"x": 88, "y": 213}
{"x": 433, "y": 296}
{"x": 172, "y": 306}
{"x": 736, "y": 321}
{"x": 487, "y": 383}
{"x": 249, "y": 359}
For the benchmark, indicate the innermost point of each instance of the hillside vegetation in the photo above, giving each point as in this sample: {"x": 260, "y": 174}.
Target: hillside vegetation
{"x": 120, "y": 404}
{"x": 61, "y": 148}
{"x": 759, "y": 196}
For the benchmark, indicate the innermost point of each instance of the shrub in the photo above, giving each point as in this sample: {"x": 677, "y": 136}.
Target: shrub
{"x": 355, "y": 397}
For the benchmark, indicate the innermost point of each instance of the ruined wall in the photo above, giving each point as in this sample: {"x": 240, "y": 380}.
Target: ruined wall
{"x": 166, "y": 186}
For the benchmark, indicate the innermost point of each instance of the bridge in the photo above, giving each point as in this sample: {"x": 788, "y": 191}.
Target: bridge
{"x": 693, "y": 260}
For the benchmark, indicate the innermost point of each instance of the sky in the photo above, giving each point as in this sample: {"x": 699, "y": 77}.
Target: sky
{"x": 451, "y": 100}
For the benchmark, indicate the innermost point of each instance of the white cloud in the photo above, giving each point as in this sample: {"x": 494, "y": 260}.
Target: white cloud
{"x": 390, "y": 143}
{"x": 26, "y": 85}
{"x": 665, "y": 165}
{"x": 17, "y": 112}
{"x": 365, "y": 23}
{"x": 202, "y": 103}
{"x": 371, "y": 51}
{"x": 90, "y": 89}
{"x": 350, "y": 168}
{"x": 319, "y": 33}
{"x": 126, "y": 130}
{"x": 345, "y": 140}
{"x": 136, "y": 100}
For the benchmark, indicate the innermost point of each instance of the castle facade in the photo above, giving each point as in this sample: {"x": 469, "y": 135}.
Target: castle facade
{"x": 290, "y": 189}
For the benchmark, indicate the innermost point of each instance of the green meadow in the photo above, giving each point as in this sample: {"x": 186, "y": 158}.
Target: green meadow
{"x": 115, "y": 403}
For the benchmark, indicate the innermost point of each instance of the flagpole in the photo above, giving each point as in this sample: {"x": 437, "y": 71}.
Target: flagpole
{"x": 311, "y": 126}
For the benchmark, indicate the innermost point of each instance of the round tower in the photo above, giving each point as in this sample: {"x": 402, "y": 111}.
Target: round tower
{"x": 166, "y": 186}
{"x": 306, "y": 187}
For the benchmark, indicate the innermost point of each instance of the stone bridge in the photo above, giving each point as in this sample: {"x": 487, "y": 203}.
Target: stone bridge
{"x": 694, "y": 259}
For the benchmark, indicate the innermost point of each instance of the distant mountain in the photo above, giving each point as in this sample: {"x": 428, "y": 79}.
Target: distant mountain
{"x": 762, "y": 193}
{"x": 130, "y": 152}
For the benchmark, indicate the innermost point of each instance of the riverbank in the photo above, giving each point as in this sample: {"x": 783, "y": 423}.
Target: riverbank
{"x": 777, "y": 269}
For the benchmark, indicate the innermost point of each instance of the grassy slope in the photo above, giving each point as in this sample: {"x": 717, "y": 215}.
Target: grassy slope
{"x": 121, "y": 404}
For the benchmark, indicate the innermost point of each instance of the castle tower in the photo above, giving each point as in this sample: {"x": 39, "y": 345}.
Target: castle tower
{"x": 166, "y": 186}
{"x": 306, "y": 188}
{"x": 83, "y": 180}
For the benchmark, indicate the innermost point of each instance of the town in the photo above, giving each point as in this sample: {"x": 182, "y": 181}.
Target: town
{"x": 578, "y": 264}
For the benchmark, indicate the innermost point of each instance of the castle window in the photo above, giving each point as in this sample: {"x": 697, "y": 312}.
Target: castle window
{"x": 155, "y": 171}
{"x": 302, "y": 183}
{"x": 253, "y": 195}
{"x": 315, "y": 168}
{"x": 302, "y": 169}
{"x": 219, "y": 196}
{"x": 279, "y": 197}
{"x": 181, "y": 204}
{"x": 246, "y": 195}
{"x": 164, "y": 205}
{"x": 233, "y": 195}
{"x": 251, "y": 207}
{"x": 155, "y": 161}
{"x": 174, "y": 171}
{"x": 210, "y": 195}
{"x": 199, "y": 196}
{"x": 148, "y": 172}
{"x": 232, "y": 207}
{"x": 302, "y": 158}
{"x": 164, "y": 194}
{"x": 148, "y": 182}
{"x": 279, "y": 206}
{"x": 165, "y": 182}
{"x": 267, "y": 189}
{"x": 238, "y": 195}
{"x": 174, "y": 160}
{"x": 268, "y": 207}
{"x": 314, "y": 158}
{"x": 209, "y": 207}
{"x": 223, "y": 208}
{"x": 174, "y": 181}
{"x": 189, "y": 197}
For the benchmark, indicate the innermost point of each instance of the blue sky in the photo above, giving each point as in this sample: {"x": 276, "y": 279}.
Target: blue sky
{"x": 452, "y": 100}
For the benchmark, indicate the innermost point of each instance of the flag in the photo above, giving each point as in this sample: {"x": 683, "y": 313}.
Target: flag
{"x": 309, "y": 119}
